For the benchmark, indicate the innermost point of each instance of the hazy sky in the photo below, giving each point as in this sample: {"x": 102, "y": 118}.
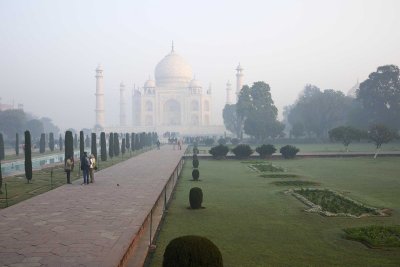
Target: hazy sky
{"x": 50, "y": 49}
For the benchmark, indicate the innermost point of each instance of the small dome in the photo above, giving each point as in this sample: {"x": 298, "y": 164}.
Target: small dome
{"x": 150, "y": 83}
{"x": 195, "y": 83}
{"x": 173, "y": 70}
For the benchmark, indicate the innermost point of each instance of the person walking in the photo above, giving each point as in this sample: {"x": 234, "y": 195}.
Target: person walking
{"x": 69, "y": 163}
{"x": 92, "y": 167}
{"x": 158, "y": 144}
{"x": 85, "y": 168}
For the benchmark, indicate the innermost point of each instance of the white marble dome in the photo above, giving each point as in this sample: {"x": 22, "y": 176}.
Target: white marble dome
{"x": 173, "y": 70}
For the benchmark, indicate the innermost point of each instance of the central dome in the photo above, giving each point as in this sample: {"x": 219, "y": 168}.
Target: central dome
{"x": 173, "y": 70}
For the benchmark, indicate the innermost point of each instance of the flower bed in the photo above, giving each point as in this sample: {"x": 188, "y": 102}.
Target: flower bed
{"x": 295, "y": 183}
{"x": 266, "y": 167}
{"x": 279, "y": 175}
{"x": 375, "y": 236}
{"x": 330, "y": 203}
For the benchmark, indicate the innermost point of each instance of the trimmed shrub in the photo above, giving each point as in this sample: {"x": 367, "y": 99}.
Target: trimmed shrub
{"x": 219, "y": 151}
{"x": 69, "y": 146}
{"x": 51, "y": 141}
{"x": 193, "y": 251}
{"x": 42, "y": 147}
{"x": 195, "y": 162}
{"x": 17, "y": 144}
{"x": 195, "y": 197}
{"x": 93, "y": 149}
{"x": 235, "y": 141}
{"x": 222, "y": 141}
{"x": 195, "y": 174}
{"x": 28, "y": 156}
{"x": 209, "y": 141}
{"x": 2, "y": 154}
{"x": 265, "y": 150}
{"x": 195, "y": 156}
{"x": 195, "y": 150}
{"x": 242, "y": 151}
{"x": 103, "y": 146}
{"x": 289, "y": 151}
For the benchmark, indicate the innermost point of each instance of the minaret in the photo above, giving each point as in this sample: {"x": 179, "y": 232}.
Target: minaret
{"x": 99, "y": 97}
{"x": 229, "y": 93}
{"x": 239, "y": 79}
{"x": 122, "y": 111}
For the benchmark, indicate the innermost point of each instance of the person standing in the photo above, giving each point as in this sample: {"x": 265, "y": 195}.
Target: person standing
{"x": 85, "y": 168}
{"x": 158, "y": 144}
{"x": 68, "y": 168}
{"x": 92, "y": 167}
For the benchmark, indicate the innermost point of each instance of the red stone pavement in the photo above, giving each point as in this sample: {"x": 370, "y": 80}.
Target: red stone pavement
{"x": 86, "y": 225}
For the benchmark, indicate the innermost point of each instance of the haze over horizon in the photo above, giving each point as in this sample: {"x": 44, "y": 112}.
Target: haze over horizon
{"x": 49, "y": 49}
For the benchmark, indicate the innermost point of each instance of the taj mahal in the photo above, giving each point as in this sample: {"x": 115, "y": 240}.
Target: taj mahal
{"x": 175, "y": 101}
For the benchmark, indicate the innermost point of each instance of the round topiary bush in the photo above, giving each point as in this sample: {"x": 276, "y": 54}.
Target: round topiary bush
{"x": 195, "y": 174}
{"x": 242, "y": 151}
{"x": 266, "y": 150}
{"x": 289, "y": 151}
{"x": 219, "y": 151}
{"x": 193, "y": 251}
{"x": 195, "y": 163}
{"x": 195, "y": 197}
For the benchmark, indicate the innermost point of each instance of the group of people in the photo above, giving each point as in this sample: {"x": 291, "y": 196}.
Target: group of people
{"x": 88, "y": 166}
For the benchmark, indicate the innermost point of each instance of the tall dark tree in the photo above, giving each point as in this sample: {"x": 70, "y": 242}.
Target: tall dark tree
{"x": 28, "y": 156}
{"x": 94, "y": 145}
{"x": 346, "y": 135}
{"x": 116, "y": 144}
{"x": 51, "y": 141}
{"x": 132, "y": 141}
{"x": 42, "y": 146}
{"x": 103, "y": 146}
{"x": 87, "y": 141}
{"x": 81, "y": 144}
{"x": 60, "y": 143}
{"x": 127, "y": 139}
{"x": 232, "y": 121}
{"x": 1, "y": 179}
{"x": 255, "y": 104}
{"x": 111, "y": 145}
{"x": 123, "y": 146}
{"x": 17, "y": 144}
{"x": 380, "y": 134}
{"x": 2, "y": 154}
{"x": 69, "y": 145}
{"x": 76, "y": 141}
{"x": 380, "y": 96}
{"x": 137, "y": 141}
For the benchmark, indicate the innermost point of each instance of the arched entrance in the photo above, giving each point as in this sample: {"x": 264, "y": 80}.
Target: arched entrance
{"x": 172, "y": 112}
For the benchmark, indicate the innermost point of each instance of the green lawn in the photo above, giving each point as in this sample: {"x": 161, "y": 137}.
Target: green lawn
{"x": 254, "y": 224}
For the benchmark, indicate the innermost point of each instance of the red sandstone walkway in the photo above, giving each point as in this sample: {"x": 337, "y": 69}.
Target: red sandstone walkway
{"x": 86, "y": 225}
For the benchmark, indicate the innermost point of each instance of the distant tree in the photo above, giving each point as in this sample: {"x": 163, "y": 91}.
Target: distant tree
{"x": 380, "y": 96}
{"x": 69, "y": 145}
{"x": 75, "y": 141}
{"x": 94, "y": 145}
{"x": 49, "y": 126}
{"x": 51, "y": 141}
{"x": 111, "y": 145}
{"x": 127, "y": 139}
{"x": 132, "y": 141}
{"x": 42, "y": 147}
{"x": 103, "y": 146}
{"x": 35, "y": 127}
{"x": 116, "y": 144}
{"x": 256, "y": 106}
{"x": 87, "y": 141}
{"x": 123, "y": 147}
{"x": 380, "y": 135}
{"x": 81, "y": 144}
{"x": 297, "y": 130}
{"x": 232, "y": 121}
{"x": 12, "y": 121}
{"x": 137, "y": 141}
{"x": 17, "y": 144}
{"x": 60, "y": 143}
{"x": 346, "y": 135}
{"x": 28, "y": 156}
{"x": 2, "y": 154}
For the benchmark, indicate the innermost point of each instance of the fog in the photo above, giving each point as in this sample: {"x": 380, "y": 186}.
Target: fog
{"x": 49, "y": 49}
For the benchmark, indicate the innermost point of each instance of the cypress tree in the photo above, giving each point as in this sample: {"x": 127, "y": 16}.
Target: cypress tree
{"x": 2, "y": 154}
{"x": 81, "y": 144}
{"x": 137, "y": 141}
{"x": 51, "y": 141}
{"x": 116, "y": 144}
{"x": 111, "y": 145}
{"x": 42, "y": 147}
{"x": 103, "y": 146}
{"x": 69, "y": 145}
{"x": 1, "y": 179}
{"x": 28, "y": 156}
{"x": 123, "y": 146}
{"x": 60, "y": 143}
{"x": 132, "y": 141}
{"x": 94, "y": 145}
{"x": 17, "y": 144}
{"x": 127, "y": 145}
{"x": 76, "y": 141}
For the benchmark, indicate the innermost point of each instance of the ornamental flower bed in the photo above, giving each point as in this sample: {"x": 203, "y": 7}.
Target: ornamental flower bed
{"x": 266, "y": 167}
{"x": 295, "y": 183}
{"x": 329, "y": 203}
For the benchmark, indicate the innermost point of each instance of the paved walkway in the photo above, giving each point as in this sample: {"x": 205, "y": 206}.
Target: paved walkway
{"x": 86, "y": 225}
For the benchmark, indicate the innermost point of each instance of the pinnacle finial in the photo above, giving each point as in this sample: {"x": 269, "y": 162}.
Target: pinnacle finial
{"x": 172, "y": 50}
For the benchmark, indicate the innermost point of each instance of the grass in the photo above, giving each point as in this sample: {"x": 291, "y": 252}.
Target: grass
{"x": 376, "y": 236}
{"x": 279, "y": 175}
{"x": 295, "y": 183}
{"x": 267, "y": 167}
{"x": 254, "y": 224}
{"x": 19, "y": 190}
{"x": 334, "y": 203}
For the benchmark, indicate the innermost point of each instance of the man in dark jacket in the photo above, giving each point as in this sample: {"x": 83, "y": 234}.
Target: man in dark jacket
{"x": 85, "y": 168}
